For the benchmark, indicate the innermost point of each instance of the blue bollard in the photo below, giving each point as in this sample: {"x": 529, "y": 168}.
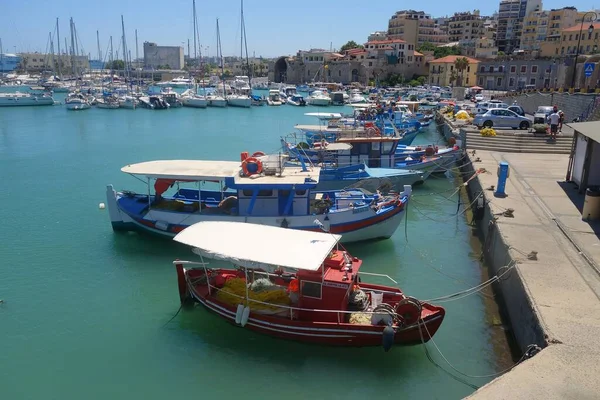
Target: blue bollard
{"x": 503, "y": 174}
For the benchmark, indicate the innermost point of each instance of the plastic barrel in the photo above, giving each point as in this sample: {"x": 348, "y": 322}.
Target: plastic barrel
{"x": 591, "y": 206}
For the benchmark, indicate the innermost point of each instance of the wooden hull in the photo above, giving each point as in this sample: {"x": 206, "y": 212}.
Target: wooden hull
{"x": 325, "y": 333}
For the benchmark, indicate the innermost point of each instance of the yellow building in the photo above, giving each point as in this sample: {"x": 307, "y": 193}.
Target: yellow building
{"x": 443, "y": 72}
{"x": 416, "y": 28}
{"x": 534, "y": 31}
{"x": 558, "y": 20}
{"x": 569, "y": 39}
{"x": 36, "y": 62}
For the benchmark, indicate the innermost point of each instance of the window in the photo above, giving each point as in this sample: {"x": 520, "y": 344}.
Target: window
{"x": 501, "y": 68}
{"x": 577, "y": 36}
{"x": 467, "y": 82}
{"x": 491, "y": 68}
{"x": 565, "y": 38}
{"x": 532, "y": 81}
{"x": 534, "y": 69}
{"x": 523, "y": 69}
{"x": 311, "y": 289}
{"x": 511, "y": 82}
{"x": 513, "y": 69}
{"x": 370, "y": 64}
{"x": 480, "y": 81}
{"x": 261, "y": 193}
{"x": 482, "y": 69}
{"x": 570, "y": 37}
{"x": 587, "y": 48}
{"x": 284, "y": 193}
{"x": 468, "y": 70}
{"x": 499, "y": 82}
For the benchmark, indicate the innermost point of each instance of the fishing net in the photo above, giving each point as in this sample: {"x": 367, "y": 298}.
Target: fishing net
{"x": 235, "y": 287}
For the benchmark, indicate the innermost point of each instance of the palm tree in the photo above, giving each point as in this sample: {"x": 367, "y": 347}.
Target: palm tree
{"x": 461, "y": 65}
{"x": 453, "y": 76}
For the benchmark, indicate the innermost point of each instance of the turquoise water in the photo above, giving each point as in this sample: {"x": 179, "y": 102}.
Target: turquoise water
{"x": 85, "y": 309}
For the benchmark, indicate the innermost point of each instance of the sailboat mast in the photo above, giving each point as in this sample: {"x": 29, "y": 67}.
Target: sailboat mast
{"x": 195, "y": 31}
{"x": 111, "y": 61}
{"x": 246, "y": 46}
{"x": 220, "y": 58}
{"x": 137, "y": 60}
{"x": 99, "y": 49}
{"x": 1, "y": 57}
{"x": 73, "y": 67}
{"x": 124, "y": 45}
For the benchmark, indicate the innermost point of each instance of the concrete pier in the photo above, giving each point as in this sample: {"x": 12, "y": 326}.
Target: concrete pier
{"x": 552, "y": 297}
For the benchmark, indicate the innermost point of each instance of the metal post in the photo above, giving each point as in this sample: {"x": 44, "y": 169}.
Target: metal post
{"x": 579, "y": 42}
{"x": 503, "y": 174}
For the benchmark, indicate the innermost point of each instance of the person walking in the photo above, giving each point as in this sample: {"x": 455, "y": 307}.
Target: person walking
{"x": 561, "y": 114}
{"x": 554, "y": 120}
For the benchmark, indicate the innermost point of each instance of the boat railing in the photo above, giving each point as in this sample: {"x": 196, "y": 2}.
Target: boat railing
{"x": 291, "y": 309}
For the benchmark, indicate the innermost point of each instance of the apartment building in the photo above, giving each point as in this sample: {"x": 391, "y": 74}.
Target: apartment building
{"x": 481, "y": 48}
{"x": 511, "y": 15}
{"x": 465, "y": 26}
{"x": 559, "y": 19}
{"x": 534, "y": 31}
{"x": 517, "y": 74}
{"x": 588, "y": 43}
{"x": 415, "y": 27}
{"x": 443, "y": 72}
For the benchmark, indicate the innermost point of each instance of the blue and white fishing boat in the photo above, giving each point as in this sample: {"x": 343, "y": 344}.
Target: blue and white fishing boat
{"x": 371, "y": 179}
{"x": 262, "y": 190}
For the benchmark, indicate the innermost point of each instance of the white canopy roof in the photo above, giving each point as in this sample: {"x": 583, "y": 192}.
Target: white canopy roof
{"x": 259, "y": 246}
{"x": 197, "y": 170}
{"x": 324, "y": 115}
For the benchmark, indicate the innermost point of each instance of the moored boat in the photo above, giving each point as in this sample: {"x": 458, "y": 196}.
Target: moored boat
{"x": 77, "y": 101}
{"x": 304, "y": 286}
{"x": 25, "y": 99}
{"x": 262, "y": 190}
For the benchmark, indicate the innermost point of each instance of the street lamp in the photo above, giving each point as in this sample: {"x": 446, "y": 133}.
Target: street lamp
{"x": 590, "y": 31}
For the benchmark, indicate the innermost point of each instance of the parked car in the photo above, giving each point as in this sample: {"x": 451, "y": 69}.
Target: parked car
{"x": 478, "y": 97}
{"x": 490, "y": 105}
{"x": 501, "y": 118}
{"x": 517, "y": 109}
{"x": 542, "y": 113}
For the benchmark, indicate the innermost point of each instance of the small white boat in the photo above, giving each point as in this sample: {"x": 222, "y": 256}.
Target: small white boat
{"x": 216, "y": 101}
{"x": 296, "y": 100}
{"x": 128, "y": 102}
{"x": 77, "y": 101}
{"x": 274, "y": 98}
{"x": 318, "y": 98}
{"x": 191, "y": 99}
{"x": 180, "y": 82}
{"x": 239, "y": 100}
{"x": 25, "y": 99}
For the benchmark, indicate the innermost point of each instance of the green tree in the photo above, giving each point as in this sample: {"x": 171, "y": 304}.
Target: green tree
{"x": 422, "y": 79}
{"x": 461, "y": 64}
{"x": 439, "y": 52}
{"x": 116, "y": 65}
{"x": 351, "y": 45}
{"x": 413, "y": 83}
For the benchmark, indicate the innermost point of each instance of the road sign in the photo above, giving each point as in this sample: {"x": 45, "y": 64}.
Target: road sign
{"x": 588, "y": 68}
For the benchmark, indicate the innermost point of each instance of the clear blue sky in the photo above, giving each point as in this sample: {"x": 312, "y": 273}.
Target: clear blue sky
{"x": 273, "y": 27}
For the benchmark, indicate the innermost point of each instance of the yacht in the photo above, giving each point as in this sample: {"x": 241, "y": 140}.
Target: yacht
{"x": 180, "y": 82}
{"x": 214, "y": 100}
{"x": 296, "y": 100}
{"x": 25, "y": 99}
{"x": 77, "y": 101}
{"x": 318, "y": 98}
{"x": 288, "y": 91}
{"x": 128, "y": 102}
{"x": 171, "y": 97}
{"x": 190, "y": 98}
{"x": 108, "y": 102}
{"x": 274, "y": 98}
{"x": 239, "y": 100}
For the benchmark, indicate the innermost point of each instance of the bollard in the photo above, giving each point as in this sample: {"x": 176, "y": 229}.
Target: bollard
{"x": 503, "y": 174}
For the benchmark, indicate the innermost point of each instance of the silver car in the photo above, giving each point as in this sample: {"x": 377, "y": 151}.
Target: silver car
{"x": 501, "y": 118}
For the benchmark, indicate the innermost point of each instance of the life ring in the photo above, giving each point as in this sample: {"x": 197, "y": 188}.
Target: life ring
{"x": 321, "y": 145}
{"x": 252, "y": 160}
{"x": 373, "y": 131}
{"x": 409, "y": 309}
{"x": 258, "y": 154}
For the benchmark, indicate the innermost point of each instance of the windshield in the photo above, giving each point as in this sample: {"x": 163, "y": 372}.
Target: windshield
{"x": 544, "y": 109}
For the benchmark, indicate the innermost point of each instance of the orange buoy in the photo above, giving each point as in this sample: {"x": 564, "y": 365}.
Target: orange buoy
{"x": 243, "y": 155}
{"x": 258, "y": 154}
{"x": 294, "y": 286}
{"x": 249, "y": 161}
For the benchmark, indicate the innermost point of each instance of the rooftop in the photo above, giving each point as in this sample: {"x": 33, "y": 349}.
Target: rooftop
{"x": 452, "y": 59}
{"x": 577, "y": 27}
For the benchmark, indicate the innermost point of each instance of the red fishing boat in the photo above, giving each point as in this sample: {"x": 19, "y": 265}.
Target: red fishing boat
{"x": 298, "y": 285}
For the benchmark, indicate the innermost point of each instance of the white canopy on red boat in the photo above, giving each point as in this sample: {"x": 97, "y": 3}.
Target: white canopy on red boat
{"x": 259, "y": 246}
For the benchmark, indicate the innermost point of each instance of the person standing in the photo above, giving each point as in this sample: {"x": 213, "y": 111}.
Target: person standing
{"x": 561, "y": 114}
{"x": 554, "y": 119}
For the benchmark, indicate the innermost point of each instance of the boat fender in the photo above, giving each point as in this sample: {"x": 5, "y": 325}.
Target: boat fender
{"x": 429, "y": 151}
{"x": 409, "y": 309}
{"x": 238, "y": 313}
{"x": 388, "y": 338}
{"x": 245, "y": 316}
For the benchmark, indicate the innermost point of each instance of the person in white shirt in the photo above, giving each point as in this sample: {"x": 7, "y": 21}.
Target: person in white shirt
{"x": 554, "y": 119}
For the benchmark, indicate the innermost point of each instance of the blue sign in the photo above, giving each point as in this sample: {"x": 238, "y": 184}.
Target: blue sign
{"x": 588, "y": 68}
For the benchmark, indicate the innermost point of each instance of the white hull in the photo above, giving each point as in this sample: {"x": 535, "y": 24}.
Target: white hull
{"x": 241, "y": 101}
{"x": 196, "y": 102}
{"x": 318, "y": 102}
{"x": 359, "y": 227}
{"x": 129, "y": 104}
{"x": 77, "y": 106}
{"x": 20, "y": 99}
{"x": 274, "y": 103}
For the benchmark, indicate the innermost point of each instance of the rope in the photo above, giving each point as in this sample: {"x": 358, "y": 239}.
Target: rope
{"x": 532, "y": 349}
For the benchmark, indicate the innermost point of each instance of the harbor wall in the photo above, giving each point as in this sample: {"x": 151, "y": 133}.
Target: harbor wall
{"x": 513, "y": 298}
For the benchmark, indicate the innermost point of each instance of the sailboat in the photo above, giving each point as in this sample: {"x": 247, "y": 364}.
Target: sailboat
{"x": 241, "y": 99}
{"x": 190, "y": 97}
{"x": 76, "y": 101}
{"x": 214, "y": 99}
